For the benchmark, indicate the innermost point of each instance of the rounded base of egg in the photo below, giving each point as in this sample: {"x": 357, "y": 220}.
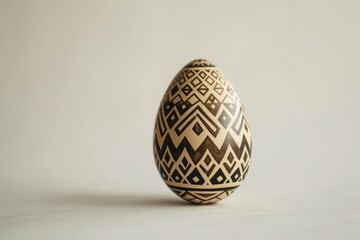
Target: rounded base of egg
{"x": 202, "y": 139}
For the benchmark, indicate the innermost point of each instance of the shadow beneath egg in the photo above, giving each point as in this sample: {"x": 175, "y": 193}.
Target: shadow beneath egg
{"x": 118, "y": 200}
{"x": 62, "y": 203}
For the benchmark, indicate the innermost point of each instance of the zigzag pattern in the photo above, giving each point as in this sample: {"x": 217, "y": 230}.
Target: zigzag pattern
{"x": 207, "y": 144}
{"x": 202, "y": 140}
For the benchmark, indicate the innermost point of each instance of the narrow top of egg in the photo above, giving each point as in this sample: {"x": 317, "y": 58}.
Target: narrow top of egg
{"x": 199, "y": 63}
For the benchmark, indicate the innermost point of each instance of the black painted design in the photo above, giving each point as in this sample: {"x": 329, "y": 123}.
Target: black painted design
{"x": 202, "y": 140}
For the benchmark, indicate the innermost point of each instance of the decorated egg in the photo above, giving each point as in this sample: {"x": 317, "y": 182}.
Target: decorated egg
{"x": 202, "y": 139}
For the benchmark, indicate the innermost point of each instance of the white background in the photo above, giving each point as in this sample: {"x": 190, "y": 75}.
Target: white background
{"x": 80, "y": 84}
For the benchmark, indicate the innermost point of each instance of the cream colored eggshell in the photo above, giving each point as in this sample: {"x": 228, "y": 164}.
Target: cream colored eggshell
{"x": 202, "y": 139}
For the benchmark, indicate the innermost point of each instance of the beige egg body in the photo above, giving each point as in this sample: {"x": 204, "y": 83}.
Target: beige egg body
{"x": 202, "y": 139}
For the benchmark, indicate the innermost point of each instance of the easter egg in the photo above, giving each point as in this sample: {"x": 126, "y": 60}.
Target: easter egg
{"x": 202, "y": 139}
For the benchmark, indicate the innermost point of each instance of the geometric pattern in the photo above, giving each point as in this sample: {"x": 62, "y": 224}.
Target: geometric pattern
{"x": 202, "y": 140}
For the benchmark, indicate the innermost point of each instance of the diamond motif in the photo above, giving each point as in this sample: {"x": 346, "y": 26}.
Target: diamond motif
{"x": 196, "y": 81}
{"x": 202, "y": 74}
{"x": 167, "y": 157}
{"x": 230, "y": 157}
{"x": 172, "y": 119}
{"x": 207, "y": 160}
{"x": 230, "y": 90}
{"x": 185, "y": 162}
{"x": 209, "y": 80}
{"x": 189, "y": 73}
{"x": 235, "y": 176}
{"x": 218, "y": 88}
{"x": 181, "y": 78}
{"x": 195, "y": 177}
{"x": 245, "y": 157}
{"x": 186, "y": 90}
{"x": 182, "y": 107}
{"x": 212, "y": 104}
{"x": 163, "y": 173}
{"x": 176, "y": 176}
{"x": 174, "y": 90}
{"x": 203, "y": 89}
{"x": 230, "y": 104}
{"x": 167, "y": 106}
{"x": 197, "y": 129}
{"x": 218, "y": 178}
{"x": 214, "y": 74}
{"x": 224, "y": 119}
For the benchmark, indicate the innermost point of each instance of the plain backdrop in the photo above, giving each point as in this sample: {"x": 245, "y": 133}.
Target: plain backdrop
{"x": 80, "y": 84}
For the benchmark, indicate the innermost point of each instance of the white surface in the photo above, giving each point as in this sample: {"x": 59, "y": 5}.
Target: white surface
{"x": 162, "y": 216}
{"x": 80, "y": 83}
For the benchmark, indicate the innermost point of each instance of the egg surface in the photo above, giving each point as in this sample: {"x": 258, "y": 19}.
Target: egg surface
{"x": 202, "y": 139}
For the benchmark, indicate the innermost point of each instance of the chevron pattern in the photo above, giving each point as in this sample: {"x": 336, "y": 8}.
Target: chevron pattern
{"x": 202, "y": 140}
